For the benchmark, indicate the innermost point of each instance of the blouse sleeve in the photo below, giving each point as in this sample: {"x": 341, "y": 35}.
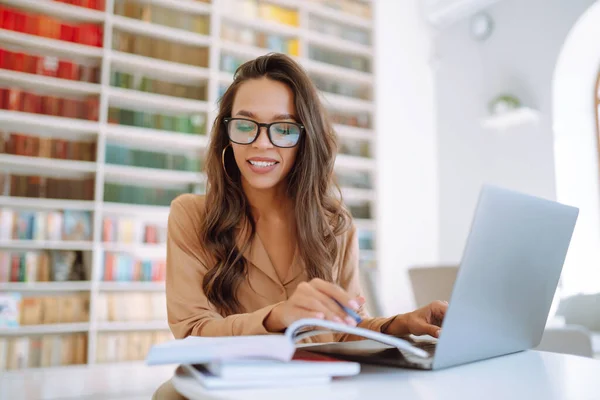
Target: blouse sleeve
{"x": 349, "y": 280}
{"x": 189, "y": 311}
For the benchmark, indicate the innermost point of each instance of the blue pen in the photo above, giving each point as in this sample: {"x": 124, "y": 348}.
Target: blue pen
{"x": 350, "y": 312}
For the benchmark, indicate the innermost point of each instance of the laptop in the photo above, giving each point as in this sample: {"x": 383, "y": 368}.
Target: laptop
{"x": 504, "y": 286}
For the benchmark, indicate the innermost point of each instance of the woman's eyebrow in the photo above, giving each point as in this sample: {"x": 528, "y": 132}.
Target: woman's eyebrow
{"x": 278, "y": 117}
{"x": 284, "y": 116}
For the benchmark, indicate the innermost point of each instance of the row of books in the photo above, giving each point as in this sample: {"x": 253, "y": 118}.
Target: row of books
{"x": 16, "y": 99}
{"x": 21, "y": 144}
{"x": 339, "y": 58}
{"x": 360, "y": 210}
{"x": 131, "y": 306}
{"x": 163, "y": 16}
{"x": 160, "y": 48}
{"x": 48, "y": 66}
{"x": 354, "y": 147}
{"x": 123, "y": 155}
{"x": 93, "y": 4}
{"x": 42, "y": 351}
{"x": 128, "y": 346}
{"x": 355, "y": 7}
{"x": 49, "y": 27}
{"x": 356, "y": 119}
{"x": 59, "y": 309}
{"x": 366, "y": 239}
{"x": 132, "y": 194}
{"x": 253, "y": 9}
{"x": 331, "y": 28}
{"x": 249, "y": 37}
{"x": 48, "y": 188}
{"x": 343, "y": 88}
{"x": 45, "y": 225}
{"x": 143, "y": 83}
{"x": 121, "y": 267}
{"x": 194, "y": 124}
{"x": 43, "y": 266}
{"x": 129, "y": 230}
{"x": 354, "y": 179}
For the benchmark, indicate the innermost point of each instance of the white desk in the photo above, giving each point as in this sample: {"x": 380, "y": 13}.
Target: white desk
{"x": 528, "y": 375}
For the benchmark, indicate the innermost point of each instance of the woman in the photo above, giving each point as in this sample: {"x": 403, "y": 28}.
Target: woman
{"x": 271, "y": 242}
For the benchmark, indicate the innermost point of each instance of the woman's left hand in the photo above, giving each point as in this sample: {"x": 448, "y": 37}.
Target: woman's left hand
{"x": 423, "y": 321}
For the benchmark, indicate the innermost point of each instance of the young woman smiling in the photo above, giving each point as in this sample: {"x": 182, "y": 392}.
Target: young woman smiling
{"x": 270, "y": 242}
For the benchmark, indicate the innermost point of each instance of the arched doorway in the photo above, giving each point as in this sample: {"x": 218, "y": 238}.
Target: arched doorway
{"x": 576, "y": 148}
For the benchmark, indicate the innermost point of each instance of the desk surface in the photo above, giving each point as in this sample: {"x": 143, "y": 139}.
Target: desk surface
{"x": 524, "y": 375}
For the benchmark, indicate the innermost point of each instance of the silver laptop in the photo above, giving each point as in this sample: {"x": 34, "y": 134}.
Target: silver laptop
{"x": 503, "y": 290}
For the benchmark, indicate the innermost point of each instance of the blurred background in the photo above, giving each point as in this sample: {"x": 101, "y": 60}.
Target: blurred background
{"x": 105, "y": 107}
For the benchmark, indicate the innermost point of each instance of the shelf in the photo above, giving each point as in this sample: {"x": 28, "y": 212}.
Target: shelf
{"x": 58, "y": 9}
{"x": 511, "y": 119}
{"x": 152, "y": 138}
{"x": 338, "y": 44}
{"x": 353, "y": 195}
{"x": 57, "y": 46}
{"x": 241, "y": 50}
{"x": 339, "y": 102}
{"x": 158, "y": 69}
{"x": 57, "y": 85}
{"x": 263, "y": 25}
{"x": 45, "y": 286}
{"x": 128, "y": 326}
{"x": 338, "y": 16}
{"x": 132, "y": 286}
{"x": 45, "y": 204}
{"x": 34, "y": 164}
{"x": 147, "y": 250}
{"x": 160, "y": 31}
{"x": 336, "y": 72}
{"x": 46, "y": 245}
{"x": 17, "y": 119}
{"x": 365, "y": 225}
{"x": 188, "y": 6}
{"x": 347, "y": 162}
{"x": 352, "y": 132}
{"x": 45, "y": 329}
{"x": 141, "y": 210}
{"x": 120, "y": 173}
{"x": 141, "y": 100}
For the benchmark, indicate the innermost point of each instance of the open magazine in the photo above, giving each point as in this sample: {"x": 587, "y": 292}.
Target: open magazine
{"x": 203, "y": 350}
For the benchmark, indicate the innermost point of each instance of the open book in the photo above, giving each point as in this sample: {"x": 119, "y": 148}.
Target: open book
{"x": 205, "y": 350}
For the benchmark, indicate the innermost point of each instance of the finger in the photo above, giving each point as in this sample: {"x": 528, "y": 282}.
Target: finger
{"x": 336, "y": 292}
{"x": 317, "y": 301}
{"x": 431, "y": 330}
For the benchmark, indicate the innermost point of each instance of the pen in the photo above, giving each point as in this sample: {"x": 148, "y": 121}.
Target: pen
{"x": 350, "y": 312}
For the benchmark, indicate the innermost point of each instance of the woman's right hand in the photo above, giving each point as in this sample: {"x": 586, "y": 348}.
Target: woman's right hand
{"x": 313, "y": 299}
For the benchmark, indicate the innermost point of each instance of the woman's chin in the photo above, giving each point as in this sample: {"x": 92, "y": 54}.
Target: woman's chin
{"x": 263, "y": 182}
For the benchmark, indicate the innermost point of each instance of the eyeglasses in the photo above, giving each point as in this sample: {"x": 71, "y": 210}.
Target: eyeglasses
{"x": 281, "y": 134}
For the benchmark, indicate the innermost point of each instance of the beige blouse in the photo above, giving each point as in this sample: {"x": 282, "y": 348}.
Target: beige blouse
{"x": 190, "y": 312}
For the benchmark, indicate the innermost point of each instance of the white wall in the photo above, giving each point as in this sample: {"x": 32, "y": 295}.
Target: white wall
{"x": 406, "y": 149}
{"x": 519, "y": 59}
{"x": 576, "y": 149}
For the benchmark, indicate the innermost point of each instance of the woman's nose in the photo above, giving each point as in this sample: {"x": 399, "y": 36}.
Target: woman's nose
{"x": 262, "y": 141}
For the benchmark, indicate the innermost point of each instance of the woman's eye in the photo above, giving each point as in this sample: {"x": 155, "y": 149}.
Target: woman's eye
{"x": 283, "y": 129}
{"x": 245, "y": 127}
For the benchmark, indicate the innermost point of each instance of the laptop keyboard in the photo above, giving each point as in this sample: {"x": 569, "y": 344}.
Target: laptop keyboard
{"x": 429, "y": 347}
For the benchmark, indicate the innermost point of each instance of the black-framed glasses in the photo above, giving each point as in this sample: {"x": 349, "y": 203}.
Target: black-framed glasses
{"x": 281, "y": 134}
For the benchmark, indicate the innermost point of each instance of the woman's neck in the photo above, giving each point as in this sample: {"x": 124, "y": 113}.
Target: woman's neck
{"x": 268, "y": 204}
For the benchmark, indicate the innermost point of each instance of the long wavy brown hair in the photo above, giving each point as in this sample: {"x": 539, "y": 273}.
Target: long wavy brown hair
{"x": 322, "y": 217}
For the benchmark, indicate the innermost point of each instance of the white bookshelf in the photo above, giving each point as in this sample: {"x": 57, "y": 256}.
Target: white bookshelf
{"x": 154, "y": 139}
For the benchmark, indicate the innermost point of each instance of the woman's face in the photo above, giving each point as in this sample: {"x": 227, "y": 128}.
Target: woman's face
{"x": 263, "y": 165}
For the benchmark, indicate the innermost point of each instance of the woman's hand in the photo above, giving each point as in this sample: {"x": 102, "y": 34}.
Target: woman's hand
{"x": 423, "y": 321}
{"x": 314, "y": 299}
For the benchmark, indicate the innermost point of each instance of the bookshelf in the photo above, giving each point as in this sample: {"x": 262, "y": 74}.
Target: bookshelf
{"x": 135, "y": 103}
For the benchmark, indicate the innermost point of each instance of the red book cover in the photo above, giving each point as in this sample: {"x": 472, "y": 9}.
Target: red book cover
{"x": 20, "y": 21}
{"x": 32, "y": 103}
{"x": 60, "y": 149}
{"x": 31, "y": 63}
{"x": 91, "y": 107}
{"x": 19, "y": 62}
{"x": 16, "y": 263}
{"x": 10, "y": 60}
{"x": 51, "y": 105}
{"x": 67, "y": 32}
{"x": 15, "y": 99}
{"x": 4, "y": 56}
{"x": 32, "y": 23}
{"x": 70, "y": 108}
{"x": 68, "y": 70}
{"x": 3, "y": 99}
{"x": 8, "y": 20}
